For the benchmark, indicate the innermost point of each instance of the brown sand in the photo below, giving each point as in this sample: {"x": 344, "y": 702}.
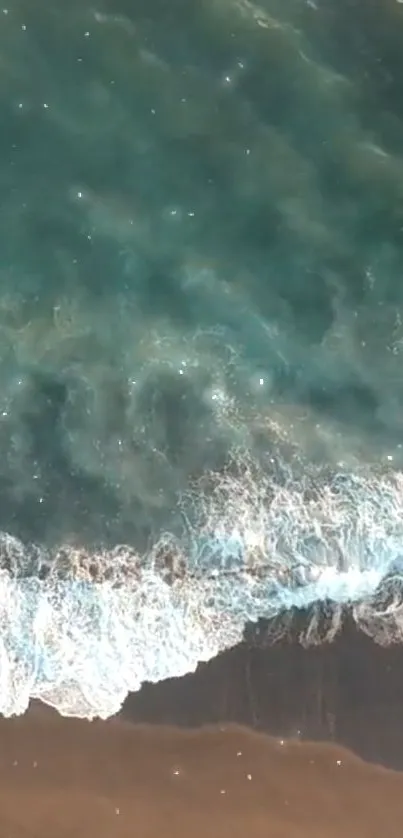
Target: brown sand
{"x": 62, "y": 778}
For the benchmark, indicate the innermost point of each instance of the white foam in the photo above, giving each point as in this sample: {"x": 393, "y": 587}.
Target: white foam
{"x": 81, "y": 642}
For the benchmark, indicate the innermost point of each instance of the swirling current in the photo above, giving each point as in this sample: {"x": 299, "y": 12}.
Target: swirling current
{"x": 201, "y": 335}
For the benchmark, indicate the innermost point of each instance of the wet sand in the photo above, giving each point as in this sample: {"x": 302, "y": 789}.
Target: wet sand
{"x": 349, "y": 692}
{"x": 62, "y": 778}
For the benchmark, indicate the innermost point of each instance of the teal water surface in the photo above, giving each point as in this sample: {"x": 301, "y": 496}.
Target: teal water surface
{"x": 201, "y": 327}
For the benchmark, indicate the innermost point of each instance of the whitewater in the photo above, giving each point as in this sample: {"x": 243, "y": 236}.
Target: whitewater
{"x": 79, "y": 630}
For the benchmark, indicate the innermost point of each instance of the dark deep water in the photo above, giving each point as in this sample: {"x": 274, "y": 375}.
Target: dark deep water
{"x": 216, "y": 183}
{"x": 201, "y": 337}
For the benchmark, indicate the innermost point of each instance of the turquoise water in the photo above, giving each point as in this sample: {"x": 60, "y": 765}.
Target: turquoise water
{"x": 200, "y": 332}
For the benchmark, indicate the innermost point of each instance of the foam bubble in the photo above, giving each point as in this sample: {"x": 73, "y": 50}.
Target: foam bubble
{"x": 81, "y": 629}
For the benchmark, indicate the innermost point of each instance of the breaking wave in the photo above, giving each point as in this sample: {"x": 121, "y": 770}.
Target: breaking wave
{"x": 80, "y": 629}
{"x": 200, "y": 253}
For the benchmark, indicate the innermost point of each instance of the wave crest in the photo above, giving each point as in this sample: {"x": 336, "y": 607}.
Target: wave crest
{"x": 81, "y": 628}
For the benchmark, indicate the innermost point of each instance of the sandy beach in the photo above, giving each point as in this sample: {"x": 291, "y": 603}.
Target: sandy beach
{"x": 61, "y": 778}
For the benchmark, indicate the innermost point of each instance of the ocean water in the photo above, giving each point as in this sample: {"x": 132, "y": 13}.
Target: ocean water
{"x": 201, "y": 335}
